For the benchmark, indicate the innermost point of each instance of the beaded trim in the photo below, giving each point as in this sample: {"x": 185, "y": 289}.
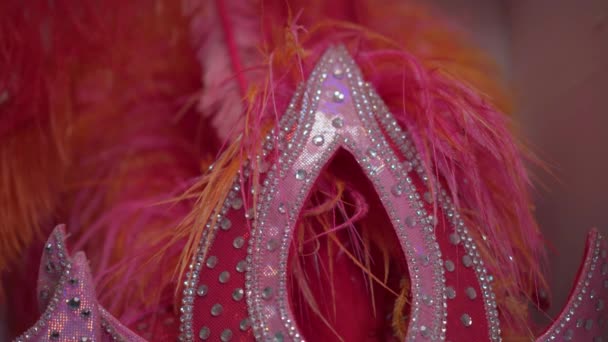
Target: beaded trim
{"x": 270, "y": 235}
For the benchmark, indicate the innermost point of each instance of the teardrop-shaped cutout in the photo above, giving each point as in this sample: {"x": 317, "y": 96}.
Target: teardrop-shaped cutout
{"x": 346, "y": 264}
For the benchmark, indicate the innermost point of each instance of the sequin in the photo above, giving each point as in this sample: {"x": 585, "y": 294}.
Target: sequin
{"x": 318, "y": 140}
{"x": 450, "y": 292}
{"x": 471, "y": 293}
{"x": 241, "y": 266}
{"x": 238, "y": 294}
{"x": 238, "y": 242}
{"x": 466, "y": 320}
{"x": 202, "y": 290}
{"x": 224, "y": 277}
{"x": 300, "y": 174}
{"x": 74, "y": 303}
{"x": 449, "y": 265}
{"x": 226, "y": 335}
{"x": 245, "y": 324}
{"x": 211, "y": 261}
{"x": 204, "y": 333}
{"x": 217, "y": 310}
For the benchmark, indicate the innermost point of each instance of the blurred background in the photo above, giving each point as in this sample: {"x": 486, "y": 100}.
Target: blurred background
{"x": 554, "y": 57}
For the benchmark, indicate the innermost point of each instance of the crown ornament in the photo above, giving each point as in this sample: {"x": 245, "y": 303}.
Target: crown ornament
{"x": 246, "y": 246}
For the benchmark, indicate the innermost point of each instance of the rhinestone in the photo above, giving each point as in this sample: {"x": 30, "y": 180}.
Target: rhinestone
{"x": 211, "y": 261}
{"x": 202, "y": 290}
{"x": 272, "y": 245}
{"x": 338, "y": 73}
{"x": 338, "y": 96}
{"x": 85, "y": 339}
{"x": 204, "y": 333}
{"x": 467, "y": 261}
{"x": 318, "y": 140}
{"x": 245, "y": 324}
{"x": 337, "y": 122}
{"x": 225, "y": 224}
{"x": 49, "y": 247}
{"x": 74, "y": 303}
{"x": 449, "y": 265}
{"x": 73, "y": 281}
{"x": 454, "y": 239}
{"x": 300, "y": 174}
{"x": 86, "y": 313}
{"x": 267, "y": 293}
{"x": 216, "y": 310}
{"x": 278, "y": 337}
{"x": 471, "y": 293}
{"x": 54, "y": 334}
{"x": 568, "y": 335}
{"x": 224, "y": 277}
{"x": 238, "y": 242}
{"x": 396, "y": 190}
{"x": 226, "y": 335}
{"x": 237, "y": 294}
{"x": 250, "y": 214}
{"x": 600, "y": 305}
{"x": 410, "y": 221}
{"x": 450, "y": 292}
{"x": 241, "y": 266}
{"x": 237, "y": 203}
{"x": 466, "y": 320}
{"x": 282, "y": 209}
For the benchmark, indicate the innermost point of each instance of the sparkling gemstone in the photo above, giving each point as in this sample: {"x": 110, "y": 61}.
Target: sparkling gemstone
{"x": 225, "y": 223}
{"x": 338, "y": 96}
{"x": 267, "y": 293}
{"x": 338, "y": 73}
{"x": 245, "y": 324}
{"x": 237, "y": 203}
{"x": 226, "y": 335}
{"x": 74, "y": 303}
{"x": 202, "y": 290}
{"x": 216, "y": 310}
{"x": 450, "y": 292}
{"x": 410, "y": 221}
{"x": 272, "y": 245}
{"x": 282, "y": 208}
{"x": 241, "y": 266}
{"x": 449, "y": 265}
{"x": 204, "y": 333}
{"x": 471, "y": 293}
{"x": 238, "y": 294}
{"x": 73, "y": 281}
{"x": 86, "y": 313}
{"x": 300, "y": 174}
{"x": 467, "y": 261}
{"x": 318, "y": 140}
{"x": 466, "y": 320}
{"x": 397, "y": 190}
{"x": 211, "y": 261}
{"x": 85, "y": 339}
{"x": 238, "y": 242}
{"x": 337, "y": 122}
{"x": 454, "y": 239}
{"x": 224, "y": 277}
{"x": 55, "y": 334}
